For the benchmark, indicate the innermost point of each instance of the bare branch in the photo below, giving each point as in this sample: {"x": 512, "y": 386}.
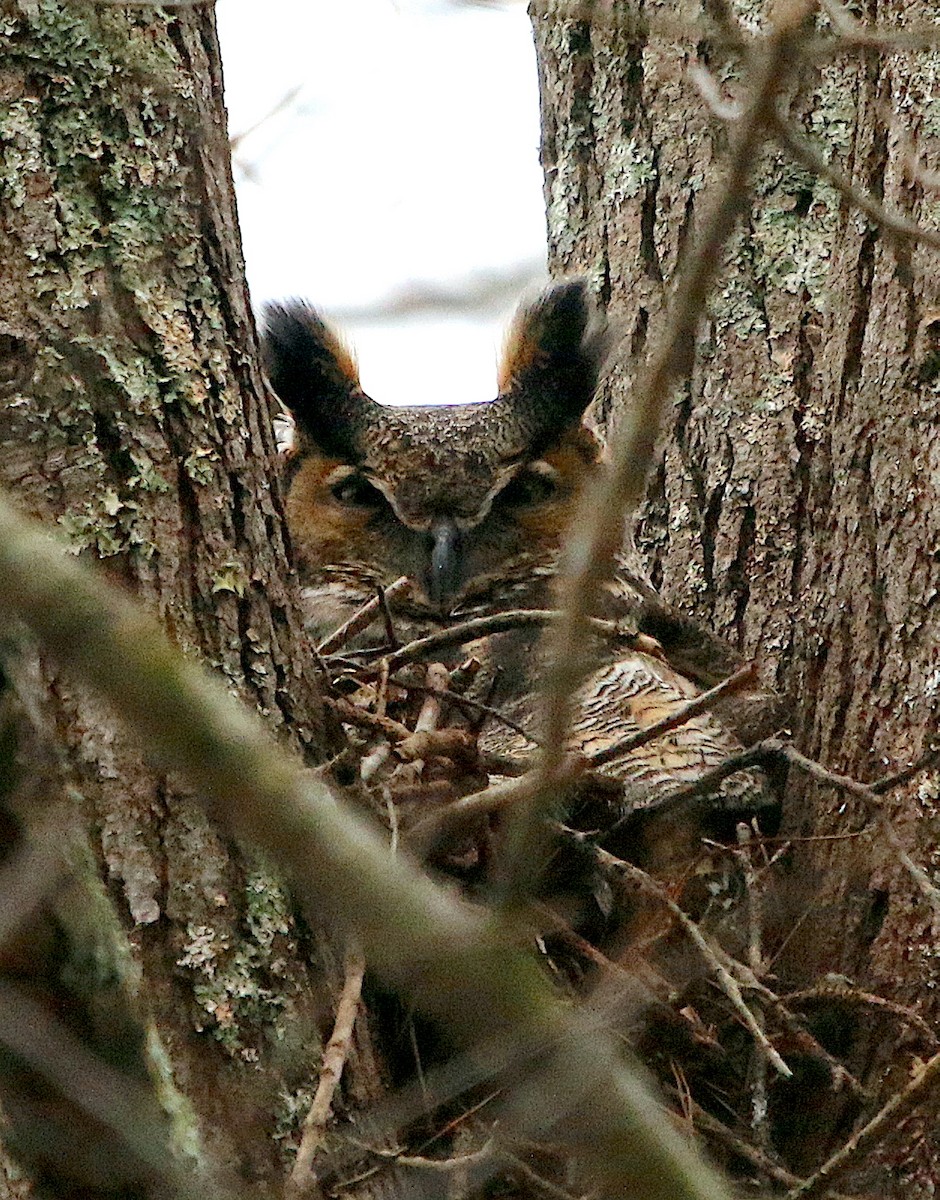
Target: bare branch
{"x": 302, "y": 1181}
{"x": 478, "y": 627}
{"x": 685, "y": 712}
{"x": 651, "y": 887}
{"x": 362, "y": 619}
{"x": 874, "y": 804}
{"x": 886, "y": 1120}
{"x": 597, "y": 532}
{"x": 892, "y": 222}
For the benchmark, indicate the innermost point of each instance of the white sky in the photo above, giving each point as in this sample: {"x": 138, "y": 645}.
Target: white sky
{"x": 407, "y": 160}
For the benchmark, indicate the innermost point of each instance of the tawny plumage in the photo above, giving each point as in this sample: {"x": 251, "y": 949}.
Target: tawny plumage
{"x": 470, "y": 503}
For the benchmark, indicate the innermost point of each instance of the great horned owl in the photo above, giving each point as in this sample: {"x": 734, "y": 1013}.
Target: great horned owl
{"x": 470, "y": 503}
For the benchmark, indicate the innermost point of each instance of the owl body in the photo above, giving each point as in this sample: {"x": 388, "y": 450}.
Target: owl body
{"x": 471, "y": 503}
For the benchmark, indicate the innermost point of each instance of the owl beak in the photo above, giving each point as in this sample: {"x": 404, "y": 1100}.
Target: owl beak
{"x": 444, "y": 577}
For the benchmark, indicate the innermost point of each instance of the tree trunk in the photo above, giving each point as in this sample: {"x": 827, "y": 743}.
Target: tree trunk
{"x": 797, "y": 509}
{"x": 133, "y": 417}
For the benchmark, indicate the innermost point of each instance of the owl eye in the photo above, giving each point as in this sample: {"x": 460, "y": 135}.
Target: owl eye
{"x": 529, "y": 488}
{"x": 356, "y": 491}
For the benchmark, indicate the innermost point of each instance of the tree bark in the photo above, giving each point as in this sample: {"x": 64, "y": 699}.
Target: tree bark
{"x": 797, "y": 508}
{"x": 133, "y": 417}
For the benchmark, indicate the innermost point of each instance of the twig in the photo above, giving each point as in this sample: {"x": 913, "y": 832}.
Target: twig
{"x": 285, "y": 102}
{"x": 419, "y": 745}
{"x": 755, "y": 959}
{"x": 436, "y": 680}
{"x": 893, "y": 222}
{"x": 444, "y": 1166}
{"x": 885, "y": 1120}
{"x": 804, "y": 1039}
{"x": 647, "y": 884}
{"x": 585, "y": 948}
{"x": 363, "y": 618}
{"x": 684, "y": 712}
{"x": 873, "y": 802}
{"x": 390, "y": 635}
{"x": 356, "y": 714}
{"x": 302, "y": 1180}
{"x": 853, "y": 35}
{"x": 392, "y": 812}
{"x": 828, "y": 990}
{"x": 756, "y": 1157}
{"x": 539, "y": 1184}
{"x": 427, "y": 835}
{"x": 476, "y": 706}
{"x": 381, "y": 697}
{"x": 673, "y": 802}
{"x": 478, "y": 627}
{"x": 896, "y": 778}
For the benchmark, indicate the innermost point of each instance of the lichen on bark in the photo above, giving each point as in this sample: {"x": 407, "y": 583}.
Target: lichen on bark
{"x": 796, "y": 510}
{"x": 134, "y": 419}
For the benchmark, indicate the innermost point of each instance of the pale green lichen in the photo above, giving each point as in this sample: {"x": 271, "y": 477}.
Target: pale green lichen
{"x": 95, "y": 158}
{"x": 629, "y": 169}
{"x": 231, "y": 577}
{"x": 198, "y": 465}
{"x": 241, "y": 990}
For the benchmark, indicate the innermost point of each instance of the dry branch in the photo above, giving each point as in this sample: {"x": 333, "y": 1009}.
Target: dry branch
{"x": 892, "y": 222}
{"x": 712, "y": 957}
{"x": 883, "y": 1123}
{"x": 685, "y": 712}
{"x": 873, "y": 802}
{"x": 362, "y": 619}
{"x": 302, "y": 1180}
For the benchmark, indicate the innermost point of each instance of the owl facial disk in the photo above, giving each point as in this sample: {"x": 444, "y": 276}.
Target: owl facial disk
{"x": 468, "y": 501}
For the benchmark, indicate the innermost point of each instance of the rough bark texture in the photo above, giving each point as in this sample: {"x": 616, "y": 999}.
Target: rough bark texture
{"x": 797, "y": 510}
{"x": 133, "y": 417}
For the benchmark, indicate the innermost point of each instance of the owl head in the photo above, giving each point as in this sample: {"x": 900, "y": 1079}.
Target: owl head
{"x": 463, "y": 499}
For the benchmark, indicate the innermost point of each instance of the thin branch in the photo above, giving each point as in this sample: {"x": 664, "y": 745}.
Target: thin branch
{"x": 471, "y": 705}
{"x": 891, "y": 221}
{"x": 390, "y": 635}
{"x": 674, "y": 802}
{"x": 853, "y": 35}
{"x": 597, "y": 531}
{"x": 443, "y": 1166}
{"x": 684, "y": 712}
{"x": 302, "y": 1180}
{"x": 885, "y": 1121}
{"x": 828, "y": 990}
{"x": 478, "y": 627}
{"x": 362, "y": 619}
{"x": 905, "y": 774}
{"x": 285, "y": 101}
{"x": 873, "y": 802}
{"x": 427, "y": 835}
{"x": 356, "y": 714}
{"x": 651, "y": 887}
{"x": 757, "y": 1158}
{"x": 755, "y": 924}
{"x": 591, "y": 557}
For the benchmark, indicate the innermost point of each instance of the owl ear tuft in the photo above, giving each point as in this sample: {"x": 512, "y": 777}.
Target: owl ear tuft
{"x": 314, "y": 375}
{"x": 554, "y": 352}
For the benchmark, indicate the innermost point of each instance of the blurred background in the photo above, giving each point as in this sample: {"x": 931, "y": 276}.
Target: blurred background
{"x": 386, "y": 157}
